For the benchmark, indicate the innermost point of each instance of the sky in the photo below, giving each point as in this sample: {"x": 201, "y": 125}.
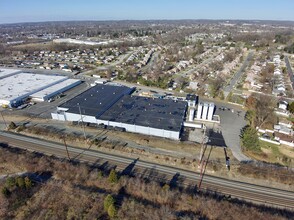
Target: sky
{"x": 14, "y": 11}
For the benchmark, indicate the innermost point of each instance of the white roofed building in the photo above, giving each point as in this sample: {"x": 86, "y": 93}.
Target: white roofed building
{"x": 8, "y": 72}
{"x": 54, "y": 90}
{"x": 15, "y": 89}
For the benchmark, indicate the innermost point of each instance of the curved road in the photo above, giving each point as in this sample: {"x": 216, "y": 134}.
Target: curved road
{"x": 250, "y": 192}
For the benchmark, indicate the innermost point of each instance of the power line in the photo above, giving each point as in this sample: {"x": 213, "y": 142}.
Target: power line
{"x": 82, "y": 121}
{"x": 66, "y": 148}
{"x": 4, "y": 120}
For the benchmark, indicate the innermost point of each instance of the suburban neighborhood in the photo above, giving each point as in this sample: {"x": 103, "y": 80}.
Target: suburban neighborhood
{"x": 168, "y": 116}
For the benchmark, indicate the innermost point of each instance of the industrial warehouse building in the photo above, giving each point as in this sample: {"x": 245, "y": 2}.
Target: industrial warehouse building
{"x": 8, "y": 72}
{"x": 16, "y": 87}
{"x": 114, "y": 106}
{"x": 54, "y": 90}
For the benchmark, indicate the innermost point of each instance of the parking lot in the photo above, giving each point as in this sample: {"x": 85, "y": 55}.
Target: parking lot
{"x": 231, "y": 122}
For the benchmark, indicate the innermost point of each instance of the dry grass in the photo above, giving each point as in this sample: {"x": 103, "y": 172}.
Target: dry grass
{"x": 271, "y": 153}
{"x": 289, "y": 151}
{"x": 76, "y": 191}
{"x": 216, "y": 165}
{"x": 8, "y": 168}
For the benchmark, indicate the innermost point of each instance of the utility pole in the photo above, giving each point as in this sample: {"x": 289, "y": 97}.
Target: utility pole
{"x": 4, "y": 120}
{"x": 203, "y": 168}
{"x": 82, "y": 121}
{"x": 203, "y": 146}
{"x": 66, "y": 148}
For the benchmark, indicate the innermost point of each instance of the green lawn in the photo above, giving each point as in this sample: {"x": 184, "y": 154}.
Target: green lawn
{"x": 274, "y": 155}
{"x": 273, "y": 147}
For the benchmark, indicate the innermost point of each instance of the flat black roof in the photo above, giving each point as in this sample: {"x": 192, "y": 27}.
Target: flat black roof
{"x": 96, "y": 100}
{"x": 191, "y": 97}
{"x": 157, "y": 113}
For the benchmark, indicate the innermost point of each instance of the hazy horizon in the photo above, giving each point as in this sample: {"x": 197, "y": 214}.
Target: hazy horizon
{"x": 17, "y": 11}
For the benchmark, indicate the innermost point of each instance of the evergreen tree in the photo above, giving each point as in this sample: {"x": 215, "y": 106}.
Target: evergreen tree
{"x": 108, "y": 201}
{"x": 113, "y": 178}
{"x": 111, "y": 211}
{"x": 250, "y": 139}
{"x": 291, "y": 107}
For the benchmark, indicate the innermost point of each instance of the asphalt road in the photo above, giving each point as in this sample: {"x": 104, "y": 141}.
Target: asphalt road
{"x": 250, "y": 192}
{"x": 290, "y": 71}
{"x": 238, "y": 75}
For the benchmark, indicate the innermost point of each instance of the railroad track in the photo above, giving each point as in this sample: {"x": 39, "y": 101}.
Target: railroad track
{"x": 233, "y": 189}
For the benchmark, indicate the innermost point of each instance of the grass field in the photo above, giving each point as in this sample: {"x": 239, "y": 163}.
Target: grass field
{"x": 277, "y": 153}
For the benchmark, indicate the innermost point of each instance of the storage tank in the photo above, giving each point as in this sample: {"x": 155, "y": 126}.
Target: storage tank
{"x": 199, "y": 110}
{"x": 205, "y": 111}
{"x": 210, "y": 111}
{"x": 191, "y": 115}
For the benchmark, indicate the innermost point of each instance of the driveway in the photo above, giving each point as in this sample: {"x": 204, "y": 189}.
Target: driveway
{"x": 231, "y": 122}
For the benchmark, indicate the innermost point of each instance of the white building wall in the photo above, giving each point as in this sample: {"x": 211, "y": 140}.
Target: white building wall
{"x": 129, "y": 127}
{"x": 90, "y": 119}
{"x": 59, "y": 117}
{"x": 210, "y": 111}
{"x": 65, "y": 116}
{"x": 191, "y": 114}
{"x": 199, "y": 110}
{"x": 144, "y": 130}
{"x": 115, "y": 124}
{"x": 205, "y": 111}
{"x": 72, "y": 116}
{"x": 98, "y": 121}
{"x": 77, "y": 117}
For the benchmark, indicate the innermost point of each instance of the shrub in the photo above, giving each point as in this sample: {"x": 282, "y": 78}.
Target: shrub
{"x": 12, "y": 126}
{"x": 108, "y": 201}
{"x": 166, "y": 187}
{"x": 20, "y": 182}
{"x": 5, "y": 191}
{"x": 10, "y": 182}
{"x": 100, "y": 174}
{"x": 111, "y": 211}
{"x": 28, "y": 182}
{"x": 113, "y": 178}
{"x": 20, "y": 128}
